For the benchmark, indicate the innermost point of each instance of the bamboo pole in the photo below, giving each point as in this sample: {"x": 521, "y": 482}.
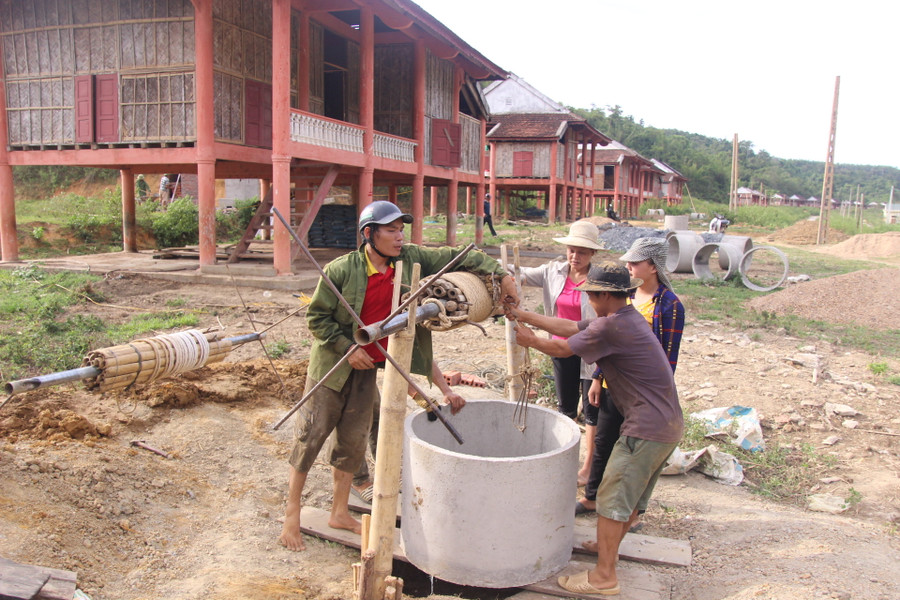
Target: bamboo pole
{"x": 390, "y": 445}
{"x": 515, "y": 354}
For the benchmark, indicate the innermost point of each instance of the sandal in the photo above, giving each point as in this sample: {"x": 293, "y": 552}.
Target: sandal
{"x": 364, "y": 494}
{"x": 579, "y": 584}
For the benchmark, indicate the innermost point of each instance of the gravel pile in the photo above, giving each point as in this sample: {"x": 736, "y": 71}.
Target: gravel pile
{"x": 620, "y": 238}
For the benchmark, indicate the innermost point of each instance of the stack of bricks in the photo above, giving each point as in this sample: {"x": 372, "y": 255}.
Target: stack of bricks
{"x": 457, "y": 378}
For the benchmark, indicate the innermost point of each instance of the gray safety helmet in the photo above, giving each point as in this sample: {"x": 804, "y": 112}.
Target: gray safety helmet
{"x": 382, "y": 212}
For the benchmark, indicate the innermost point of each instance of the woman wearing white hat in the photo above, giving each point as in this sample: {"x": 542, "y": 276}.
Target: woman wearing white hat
{"x": 655, "y": 300}
{"x": 558, "y": 279}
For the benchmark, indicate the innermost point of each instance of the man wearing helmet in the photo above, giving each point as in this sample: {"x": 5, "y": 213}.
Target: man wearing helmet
{"x": 344, "y": 403}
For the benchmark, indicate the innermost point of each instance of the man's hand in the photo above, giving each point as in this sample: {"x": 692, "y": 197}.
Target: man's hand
{"x": 513, "y": 313}
{"x": 509, "y": 293}
{"x": 525, "y": 337}
{"x": 594, "y": 392}
{"x": 359, "y": 359}
{"x": 455, "y": 401}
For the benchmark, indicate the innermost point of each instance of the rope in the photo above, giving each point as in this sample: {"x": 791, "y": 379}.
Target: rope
{"x": 471, "y": 294}
{"x": 528, "y": 374}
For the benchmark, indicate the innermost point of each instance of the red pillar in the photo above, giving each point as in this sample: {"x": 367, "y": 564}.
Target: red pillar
{"x": 418, "y": 188}
{"x": 433, "y": 191}
{"x": 551, "y": 198}
{"x": 205, "y": 152}
{"x": 9, "y": 243}
{"x": 392, "y": 193}
{"x": 453, "y": 186}
{"x": 468, "y": 200}
{"x": 281, "y": 126}
{"x": 129, "y": 234}
{"x": 367, "y": 103}
{"x": 264, "y": 186}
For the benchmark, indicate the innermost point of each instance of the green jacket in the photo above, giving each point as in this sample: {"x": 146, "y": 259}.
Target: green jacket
{"x": 333, "y": 327}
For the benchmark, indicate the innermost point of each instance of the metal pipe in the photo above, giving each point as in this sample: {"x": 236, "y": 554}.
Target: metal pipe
{"x": 26, "y": 385}
{"x": 370, "y": 333}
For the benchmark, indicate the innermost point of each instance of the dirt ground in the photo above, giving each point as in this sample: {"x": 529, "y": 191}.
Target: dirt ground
{"x": 203, "y": 523}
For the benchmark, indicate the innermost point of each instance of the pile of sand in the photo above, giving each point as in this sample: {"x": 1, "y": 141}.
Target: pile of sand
{"x": 860, "y": 298}
{"x": 868, "y": 245}
{"x": 803, "y": 233}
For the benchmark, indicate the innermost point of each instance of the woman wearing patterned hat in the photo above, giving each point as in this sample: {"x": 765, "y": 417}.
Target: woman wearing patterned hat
{"x": 558, "y": 279}
{"x": 663, "y": 311}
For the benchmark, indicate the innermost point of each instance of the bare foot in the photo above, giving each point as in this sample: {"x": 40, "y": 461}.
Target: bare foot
{"x": 291, "y": 538}
{"x": 590, "y": 546}
{"x": 345, "y": 521}
{"x": 590, "y": 505}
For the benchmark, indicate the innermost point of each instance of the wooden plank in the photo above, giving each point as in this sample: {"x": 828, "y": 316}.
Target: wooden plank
{"x": 641, "y": 548}
{"x": 314, "y": 521}
{"x": 637, "y": 547}
{"x": 21, "y": 582}
{"x": 59, "y": 584}
{"x": 636, "y": 584}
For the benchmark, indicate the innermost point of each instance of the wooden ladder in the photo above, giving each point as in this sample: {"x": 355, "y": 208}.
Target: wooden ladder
{"x": 261, "y": 221}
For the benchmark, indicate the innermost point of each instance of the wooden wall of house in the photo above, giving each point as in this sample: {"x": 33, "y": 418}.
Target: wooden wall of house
{"x": 394, "y": 89}
{"x": 438, "y": 95}
{"x": 242, "y": 52}
{"x": 46, "y": 43}
{"x": 470, "y": 140}
{"x": 540, "y": 152}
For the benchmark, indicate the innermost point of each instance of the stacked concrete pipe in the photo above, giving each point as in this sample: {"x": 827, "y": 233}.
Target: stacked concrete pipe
{"x": 742, "y": 243}
{"x": 682, "y": 247}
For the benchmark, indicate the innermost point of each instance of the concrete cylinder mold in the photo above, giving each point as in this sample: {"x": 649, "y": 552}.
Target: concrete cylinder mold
{"x": 676, "y": 222}
{"x": 743, "y": 244}
{"x": 682, "y": 247}
{"x": 497, "y": 510}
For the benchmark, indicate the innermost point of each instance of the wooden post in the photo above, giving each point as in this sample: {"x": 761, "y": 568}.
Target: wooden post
{"x": 9, "y": 243}
{"x": 390, "y": 444}
{"x": 515, "y": 354}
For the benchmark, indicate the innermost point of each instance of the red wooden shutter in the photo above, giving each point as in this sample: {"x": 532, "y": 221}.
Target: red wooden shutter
{"x": 107, "y": 104}
{"x": 445, "y": 143}
{"x": 523, "y": 164}
{"x": 84, "y": 109}
{"x": 258, "y": 114}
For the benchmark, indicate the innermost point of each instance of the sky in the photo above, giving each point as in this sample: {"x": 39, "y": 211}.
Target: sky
{"x": 763, "y": 69}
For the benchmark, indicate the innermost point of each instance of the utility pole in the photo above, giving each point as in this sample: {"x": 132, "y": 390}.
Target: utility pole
{"x": 732, "y": 196}
{"x": 828, "y": 180}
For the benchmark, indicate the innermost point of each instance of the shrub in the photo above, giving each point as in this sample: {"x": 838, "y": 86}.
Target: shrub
{"x": 178, "y": 226}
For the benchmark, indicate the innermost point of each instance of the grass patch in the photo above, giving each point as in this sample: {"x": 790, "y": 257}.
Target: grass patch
{"x": 783, "y": 472}
{"x": 42, "y": 330}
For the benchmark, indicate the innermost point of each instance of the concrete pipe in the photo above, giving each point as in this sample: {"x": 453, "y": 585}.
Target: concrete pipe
{"x": 676, "y": 222}
{"x": 682, "y": 247}
{"x": 743, "y": 244}
{"x": 496, "y": 511}
{"x": 700, "y": 263}
{"x": 745, "y": 267}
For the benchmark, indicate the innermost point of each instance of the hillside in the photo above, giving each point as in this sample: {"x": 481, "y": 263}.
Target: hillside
{"x": 706, "y": 162}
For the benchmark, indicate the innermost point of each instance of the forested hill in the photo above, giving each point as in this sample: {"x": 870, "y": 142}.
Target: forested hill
{"x": 706, "y": 162}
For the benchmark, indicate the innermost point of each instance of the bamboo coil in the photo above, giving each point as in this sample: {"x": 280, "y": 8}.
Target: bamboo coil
{"x": 149, "y": 359}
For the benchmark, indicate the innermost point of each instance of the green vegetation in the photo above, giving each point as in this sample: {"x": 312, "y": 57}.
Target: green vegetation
{"x": 785, "y": 472}
{"x": 278, "y": 349}
{"x": 42, "y": 330}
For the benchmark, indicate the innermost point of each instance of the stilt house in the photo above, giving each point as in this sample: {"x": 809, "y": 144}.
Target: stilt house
{"x": 300, "y": 94}
{"x": 536, "y": 145}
